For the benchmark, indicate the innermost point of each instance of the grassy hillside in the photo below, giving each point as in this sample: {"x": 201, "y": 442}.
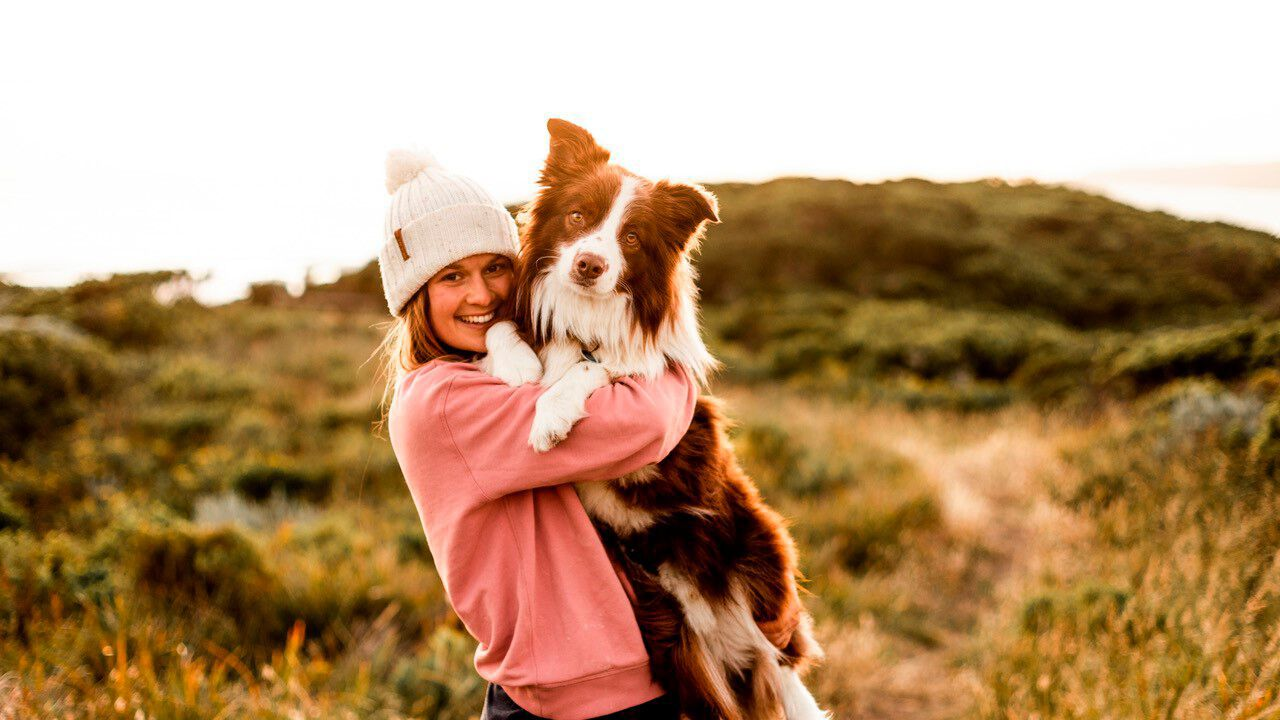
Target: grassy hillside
{"x": 1081, "y": 260}
{"x": 197, "y": 519}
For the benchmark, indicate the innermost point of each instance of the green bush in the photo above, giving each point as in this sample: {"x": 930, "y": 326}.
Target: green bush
{"x": 1197, "y": 423}
{"x": 913, "y": 351}
{"x": 206, "y": 569}
{"x": 47, "y": 376}
{"x": 870, "y": 537}
{"x": 1224, "y": 351}
{"x": 439, "y": 682}
{"x": 1264, "y": 446}
{"x": 1086, "y": 610}
{"x": 184, "y": 426}
{"x": 11, "y": 515}
{"x": 200, "y": 379}
{"x": 259, "y": 482}
{"x": 36, "y": 569}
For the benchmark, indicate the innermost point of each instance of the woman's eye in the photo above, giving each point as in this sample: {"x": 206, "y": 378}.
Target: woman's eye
{"x": 575, "y": 217}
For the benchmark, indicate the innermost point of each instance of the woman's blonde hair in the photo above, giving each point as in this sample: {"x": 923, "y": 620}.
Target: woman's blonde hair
{"x": 409, "y": 344}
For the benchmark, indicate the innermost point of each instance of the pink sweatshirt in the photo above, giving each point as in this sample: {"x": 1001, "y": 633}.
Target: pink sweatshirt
{"x": 520, "y": 561}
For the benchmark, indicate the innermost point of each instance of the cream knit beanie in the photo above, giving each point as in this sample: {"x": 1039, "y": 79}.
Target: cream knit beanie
{"x": 436, "y": 218}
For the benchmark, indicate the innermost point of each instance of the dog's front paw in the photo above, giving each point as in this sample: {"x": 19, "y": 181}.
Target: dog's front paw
{"x": 549, "y": 428}
{"x": 509, "y": 358}
{"x": 564, "y": 404}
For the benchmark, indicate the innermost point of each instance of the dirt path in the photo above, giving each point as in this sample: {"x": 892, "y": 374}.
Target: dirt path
{"x": 991, "y": 474}
{"x": 991, "y": 483}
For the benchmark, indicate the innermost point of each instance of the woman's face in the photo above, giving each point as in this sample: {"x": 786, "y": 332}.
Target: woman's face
{"x": 465, "y": 299}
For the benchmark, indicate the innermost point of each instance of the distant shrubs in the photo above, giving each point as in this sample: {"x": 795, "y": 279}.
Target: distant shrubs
{"x": 218, "y": 568}
{"x": 123, "y": 309}
{"x": 919, "y": 353}
{"x": 779, "y": 463}
{"x": 47, "y": 373}
{"x": 1198, "y": 425}
{"x": 197, "y": 378}
{"x": 183, "y": 426}
{"x": 259, "y": 482}
{"x": 1225, "y": 351}
{"x": 863, "y": 536}
{"x": 268, "y": 294}
{"x": 1088, "y": 610}
{"x": 440, "y": 682}
{"x": 860, "y": 508}
{"x": 924, "y": 355}
{"x": 37, "y": 572}
{"x": 1264, "y": 446}
{"x": 1187, "y": 409}
{"x": 796, "y": 332}
{"x": 11, "y": 516}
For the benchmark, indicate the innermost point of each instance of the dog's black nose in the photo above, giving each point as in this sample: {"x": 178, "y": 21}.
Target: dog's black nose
{"x": 588, "y": 266}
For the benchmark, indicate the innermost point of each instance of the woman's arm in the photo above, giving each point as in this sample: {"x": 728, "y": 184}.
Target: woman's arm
{"x": 629, "y": 424}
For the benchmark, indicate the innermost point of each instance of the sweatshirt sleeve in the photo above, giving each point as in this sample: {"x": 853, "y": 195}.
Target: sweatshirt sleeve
{"x": 630, "y": 423}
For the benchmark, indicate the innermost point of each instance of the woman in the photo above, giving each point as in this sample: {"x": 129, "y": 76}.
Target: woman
{"x": 519, "y": 559}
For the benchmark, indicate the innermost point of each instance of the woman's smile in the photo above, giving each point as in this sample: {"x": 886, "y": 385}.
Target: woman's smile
{"x": 478, "y": 320}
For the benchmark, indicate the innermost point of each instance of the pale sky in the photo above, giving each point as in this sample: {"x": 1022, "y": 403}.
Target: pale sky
{"x": 248, "y": 138}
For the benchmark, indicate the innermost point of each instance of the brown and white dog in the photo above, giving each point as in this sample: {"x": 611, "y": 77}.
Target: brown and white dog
{"x": 606, "y": 270}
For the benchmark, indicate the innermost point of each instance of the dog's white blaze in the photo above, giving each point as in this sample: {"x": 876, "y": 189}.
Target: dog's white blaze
{"x": 603, "y": 504}
{"x": 603, "y": 241}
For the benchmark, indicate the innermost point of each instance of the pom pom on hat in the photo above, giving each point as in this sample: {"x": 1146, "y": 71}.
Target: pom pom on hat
{"x": 404, "y": 165}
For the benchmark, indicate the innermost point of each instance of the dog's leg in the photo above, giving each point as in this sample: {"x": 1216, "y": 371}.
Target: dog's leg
{"x": 564, "y": 404}
{"x": 509, "y": 358}
{"x": 557, "y": 357}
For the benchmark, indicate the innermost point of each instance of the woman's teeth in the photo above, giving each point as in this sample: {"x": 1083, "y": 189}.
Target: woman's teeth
{"x": 476, "y": 319}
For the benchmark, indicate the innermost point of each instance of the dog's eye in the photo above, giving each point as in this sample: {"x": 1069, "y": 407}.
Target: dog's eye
{"x": 575, "y": 217}
{"x": 631, "y": 238}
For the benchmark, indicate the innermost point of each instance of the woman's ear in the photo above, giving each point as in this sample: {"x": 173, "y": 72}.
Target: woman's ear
{"x": 573, "y": 152}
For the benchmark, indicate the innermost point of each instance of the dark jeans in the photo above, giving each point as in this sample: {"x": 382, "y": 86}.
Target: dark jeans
{"x": 499, "y": 706}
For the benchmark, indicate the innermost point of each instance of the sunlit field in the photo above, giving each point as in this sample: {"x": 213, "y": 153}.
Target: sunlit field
{"x": 1028, "y": 441}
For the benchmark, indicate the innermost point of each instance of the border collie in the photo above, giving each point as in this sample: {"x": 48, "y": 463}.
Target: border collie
{"x": 606, "y": 289}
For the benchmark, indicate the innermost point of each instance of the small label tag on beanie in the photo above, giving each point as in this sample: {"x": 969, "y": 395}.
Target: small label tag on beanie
{"x": 400, "y": 241}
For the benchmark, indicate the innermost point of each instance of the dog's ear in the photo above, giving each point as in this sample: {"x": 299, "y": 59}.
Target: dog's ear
{"x": 573, "y": 152}
{"x": 687, "y": 207}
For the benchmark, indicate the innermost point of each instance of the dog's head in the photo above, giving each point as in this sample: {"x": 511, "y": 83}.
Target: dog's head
{"x": 604, "y": 241}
